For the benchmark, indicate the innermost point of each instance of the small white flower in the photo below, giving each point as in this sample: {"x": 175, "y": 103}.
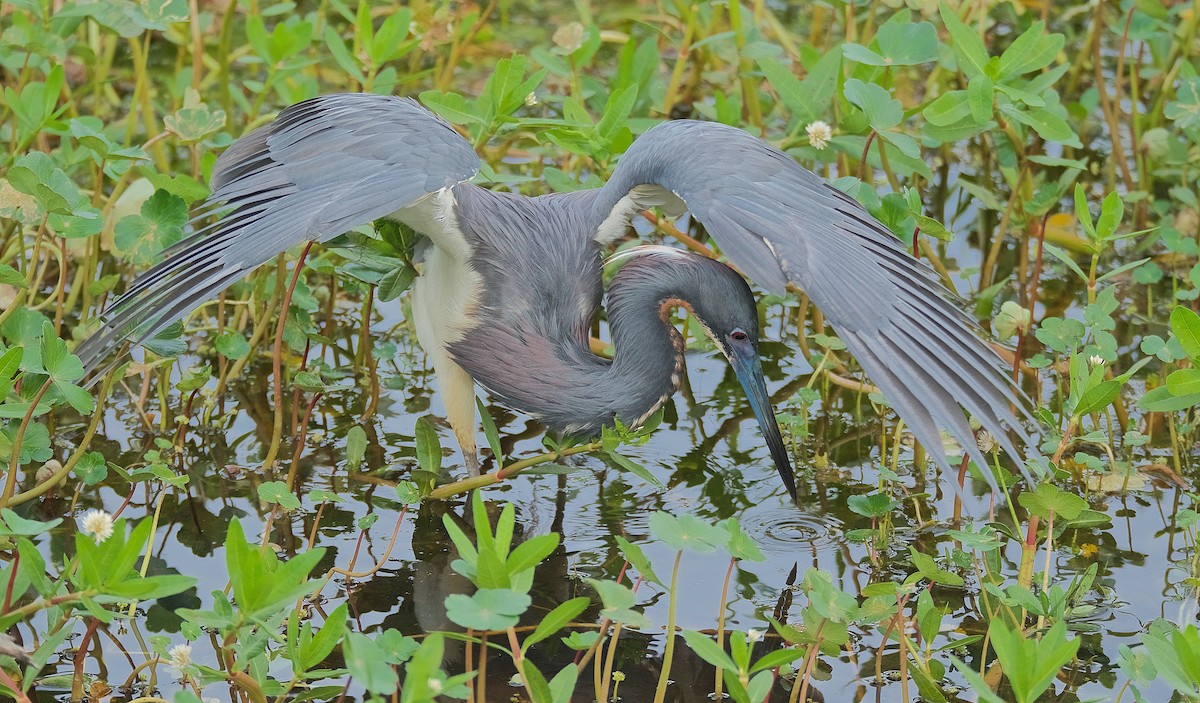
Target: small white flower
{"x": 435, "y": 686}
{"x": 531, "y": 99}
{"x": 819, "y": 134}
{"x": 180, "y": 656}
{"x": 987, "y": 443}
{"x": 754, "y": 635}
{"x": 98, "y": 524}
{"x": 1096, "y": 360}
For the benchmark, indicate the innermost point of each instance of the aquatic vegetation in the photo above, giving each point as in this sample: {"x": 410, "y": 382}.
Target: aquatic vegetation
{"x": 259, "y": 506}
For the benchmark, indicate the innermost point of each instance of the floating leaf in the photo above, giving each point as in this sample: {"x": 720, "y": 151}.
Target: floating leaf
{"x": 277, "y": 492}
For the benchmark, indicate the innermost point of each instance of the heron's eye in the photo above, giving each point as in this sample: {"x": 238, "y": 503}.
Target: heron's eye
{"x": 738, "y": 336}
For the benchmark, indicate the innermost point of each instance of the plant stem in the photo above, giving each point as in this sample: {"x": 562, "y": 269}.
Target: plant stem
{"x": 467, "y": 485}
{"x": 277, "y": 361}
{"x": 660, "y": 692}
{"x": 10, "y": 483}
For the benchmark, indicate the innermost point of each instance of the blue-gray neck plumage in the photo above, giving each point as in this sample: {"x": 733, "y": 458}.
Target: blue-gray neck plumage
{"x": 540, "y": 271}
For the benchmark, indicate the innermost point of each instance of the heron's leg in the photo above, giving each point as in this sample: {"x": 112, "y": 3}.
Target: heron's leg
{"x": 458, "y": 393}
{"x": 443, "y": 298}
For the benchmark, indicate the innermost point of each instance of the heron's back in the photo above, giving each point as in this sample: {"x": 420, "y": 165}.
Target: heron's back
{"x": 541, "y": 290}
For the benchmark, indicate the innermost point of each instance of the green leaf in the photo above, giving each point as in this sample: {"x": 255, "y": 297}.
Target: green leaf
{"x": 1060, "y": 334}
{"x": 356, "y": 447}
{"x": 9, "y": 276}
{"x": 1185, "y": 325}
{"x": 1111, "y": 212}
{"x": 277, "y": 492}
{"x": 972, "y": 56}
{"x": 58, "y": 361}
{"x": 194, "y": 121}
{"x": 141, "y": 238}
{"x": 491, "y": 432}
{"x": 313, "y": 651}
{"x": 637, "y": 558}
{"x": 367, "y": 663}
{"x": 1097, "y": 398}
{"x": 618, "y": 603}
{"x": 232, "y": 345}
{"x": 450, "y": 107}
{"x": 741, "y": 545}
{"x": 928, "y": 568}
{"x": 1049, "y": 125}
{"x": 707, "y": 649}
{"x": 557, "y": 619}
{"x": 63, "y": 367}
{"x": 980, "y": 96}
{"x": 10, "y": 364}
{"x": 872, "y": 505}
{"x": 1048, "y": 499}
{"x": 530, "y": 553}
{"x": 487, "y": 609}
{"x": 91, "y": 468}
{"x": 1162, "y": 400}
{"x": 616, "y": 113}
{"x": 16, "y": 525}
{"x": 900, "y": 44}
{"x": 429, "y": 447}
{"x": 636, "y": 469}
{"x": 408, "y": 493}
{"x": 1032, "y": 51}
{"x": 562, "y": 686}
{"x": 1184, "y": 382}
{"x": 687, "y": 532}
{"x": 1031, "y": 664}
{"x": 38, "y": 175}
{"x": 778, "y": 658}
{"x": 1173, "y": 652}
{"x": 948, "y": 109}
{"x": 882, "y": 110}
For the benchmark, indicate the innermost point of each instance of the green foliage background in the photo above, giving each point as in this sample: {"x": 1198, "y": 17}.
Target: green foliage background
{"x": 1045, "y": 152}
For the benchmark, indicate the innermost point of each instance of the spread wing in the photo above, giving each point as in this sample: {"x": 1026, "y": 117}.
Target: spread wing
{"x": 323, "y": 167}
{"x": 782, "y": 224}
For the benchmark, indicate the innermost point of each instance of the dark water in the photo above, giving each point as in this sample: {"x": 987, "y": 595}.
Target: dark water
{"x": 710, "y": 456}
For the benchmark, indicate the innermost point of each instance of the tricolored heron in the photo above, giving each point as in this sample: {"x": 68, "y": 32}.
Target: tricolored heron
{"x": 511, "y": 284}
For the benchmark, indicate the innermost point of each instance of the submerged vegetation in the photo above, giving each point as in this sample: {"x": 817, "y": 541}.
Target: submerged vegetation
{"x": 260, "y": 508}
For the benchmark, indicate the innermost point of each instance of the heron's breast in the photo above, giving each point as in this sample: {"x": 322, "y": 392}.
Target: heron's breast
{"x": 446, "y": 300}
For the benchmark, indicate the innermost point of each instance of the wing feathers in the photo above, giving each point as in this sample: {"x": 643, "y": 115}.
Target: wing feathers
{"x": 780, "y": 223}
{"x": 324, "y": 166}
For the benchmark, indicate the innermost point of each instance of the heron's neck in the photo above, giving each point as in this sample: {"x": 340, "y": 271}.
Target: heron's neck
{"x": 648, "y": 351}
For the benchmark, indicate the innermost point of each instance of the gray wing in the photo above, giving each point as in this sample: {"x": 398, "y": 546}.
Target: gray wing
{"x": 780, "y": 223}
{"x": 323, "y": 167}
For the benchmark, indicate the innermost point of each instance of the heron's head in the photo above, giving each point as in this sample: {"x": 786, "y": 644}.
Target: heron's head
{"x": 725, "y": 307}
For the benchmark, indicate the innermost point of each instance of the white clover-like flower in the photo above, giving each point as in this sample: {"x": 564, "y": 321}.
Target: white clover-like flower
{"x": 819, "y": 134}
{"x": 98, "y": 524}
{"x": 1096, "y": 360}
{"x": 987, "y": 443}
{"x": 180, "y": 656}
{"x": 754, "y": 635}
{"x": 531, "y": 99}
{"x": 435, "y": 686}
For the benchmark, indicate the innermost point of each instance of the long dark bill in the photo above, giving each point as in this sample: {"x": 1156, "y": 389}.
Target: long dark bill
{"x": 748, "y": 369}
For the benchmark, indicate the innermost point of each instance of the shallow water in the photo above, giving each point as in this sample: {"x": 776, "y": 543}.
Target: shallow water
{"x": 709, "y": 455}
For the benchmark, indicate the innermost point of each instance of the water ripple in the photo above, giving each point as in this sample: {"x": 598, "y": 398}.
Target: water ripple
{"x": 781, "y": 530}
